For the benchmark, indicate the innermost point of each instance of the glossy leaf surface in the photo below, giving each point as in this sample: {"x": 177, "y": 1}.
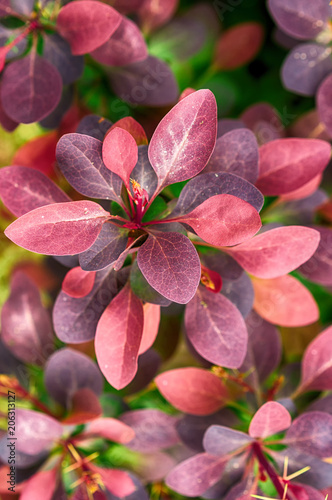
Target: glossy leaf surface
{"x": 120, "y": 153}
{"x": 271, "y": 418}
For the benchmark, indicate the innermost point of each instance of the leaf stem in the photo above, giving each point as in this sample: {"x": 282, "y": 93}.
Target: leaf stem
{"x": 257, "y": 449}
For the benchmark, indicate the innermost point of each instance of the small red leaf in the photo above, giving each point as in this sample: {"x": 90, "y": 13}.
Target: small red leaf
{"x": 193, "y": 390}
{"x": 118, "y": 338}
{"x": 85, "y": 407}
{"x": 271, "y": 418}
{"x": 38, "y": 153}
{"x": 118, "y": 482}
{"x": 317, "y": 364}
{"x": 120, "y": 153}
{"x": 78, "y": 283}
{"x": 134, "y": 128}
{"x": 151, "y": 326}
{"x": 111, "y": 429}
{"x": 41, "y": 486}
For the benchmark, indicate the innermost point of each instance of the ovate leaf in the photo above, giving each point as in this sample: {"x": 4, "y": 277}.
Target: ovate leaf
{"x": 271, "y": 418}
{"x": 311, "y": 433}
{"x": 317, "y": 364}
{"x": 120, "y": 153}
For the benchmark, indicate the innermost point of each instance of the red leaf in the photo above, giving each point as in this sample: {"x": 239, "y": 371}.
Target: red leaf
{"x": 87, "y": 24}
{"x": 193, "y": 390}
{"x": 118, "y": 338}
{"x": 184, "y": 139}
{"x": 59, "y": 229}
{"x": 317, "y": 364}
{"x": 134, "y": 128}
{"x": 41, "y": 486}
{"x": 78, "y": 283}
{"x": 118, "y": 482}
{"x": 151, "y": 326}
{"x": 288, "y": 164}
{"x": 276, "y": 252}
{"x": 38, "y": 153}
{"x": 85, "y": 407}
{"x": 284, "y": 301}
{"x": 304, "y": 191}
{"x": 154, "y": 14}
{"x": 120, "y": 153}
{"x": 238, "y": 45}
{"x": 271, "y": 418}
{"x": 111, "y": 429}
{"x": 223, "y": 220}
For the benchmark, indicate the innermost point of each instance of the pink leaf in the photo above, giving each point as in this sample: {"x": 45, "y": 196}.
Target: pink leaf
{"x": 120, "y": 153}
{"x": 118, "y": 337}
{"x": 271, "y": 418}
{"x": 284, "y": 301}
{"x": 276, "y": 252}
{"x": 35, "y": 431}
{"x": 184, "y": 139}
{"x": 118, "y": 482}
{"x": 304, "y": 191}
{"x": 87, "y": 24}
{"x": 111, "y": 429}
{"x": 223, "y": 220}
{"x": 59, "y": 229}
{"x": 216, "y": 329}
{"x": 288, "y": 164}
{"x": 134, "y": 128}
{"x": 317, "y": 364}
{"x": 85, "y": 406}
{"x": 193, "y": 390}
{"x": 154, "y": 14}
{"x": 41, "y": 486}
{"x": 151, "y": 326}
{"x": 324, "y": 103}
{"x": 78, "y": 283}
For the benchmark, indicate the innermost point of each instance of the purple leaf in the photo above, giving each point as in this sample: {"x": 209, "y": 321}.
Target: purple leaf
{"x": 146, "y": 83}
{"x": 75, "y": 320}
{"x": 300, "y": 19}
{"x": 317, "y": 364}
{"x": 305, "y": 67}
{"x": 240, "y": 292}
{"x": 216, "y": 329}
{"x": 324, "y": 103}
{"x": 6, "y": 35}
{"x": 127, "y": 6}
{"x": 322, "y": 404}
{"x": 221, "y": 441}
{"x": 311, "y": 433}
{"x": 60, "y": 228}
{"x": 118, "y": 338}
{"x": 87, "y": 25}
{"x": 80, "y": 160}
{"x": 54, "y": 119}
{"x": 223, "y": 220}
{"x": 120, "y": 153}
{"x": 57, "y": 51}
{"x": 126, "y": 46}
{"x": 223, "y": 264}
{"x": 184, "y": 139}
{"x": 143, "y": 290}
{"x": 195, "y": 475}
{"x": 23, "y": 189}
{"x": 6, "y": 122}
{"x": 24, "y": 7}
{"x": 170, "y": 264}
{"x": 236, "y": 153}
{"x": 68, "y": 371}
{"x": 26, "y": 324}
{"x": 94, "y": 126}
{"x": 276, "y": 252}
{"x": 107, "y": 248}
{"x": 148, "y": 365}
{"x": 154, "y": 430}
{"x": 202, "y": 187}
{"x": 31, "y": 89}
{"x": 231, "y": 475}
{"x": 35, "y": 431}
{"x": 319, "y": 267}
{"x": 143, "y": 172}
{"x": 271, "y": 418}
{"x": 264, "y": 121}
{"x": 226, "y": 125}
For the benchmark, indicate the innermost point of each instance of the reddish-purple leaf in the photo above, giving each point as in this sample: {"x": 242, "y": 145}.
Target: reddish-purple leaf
{"x": 204, "y": 186}
{"x": 24, "y": 7}
{"x": 95, "y": 126}
{"x": 271, "y": 418}
{"x": 154, "y": 430}
{"x": 153, "y": 15}
{"x": 26, "y": 324}
{"x": 288, "y": 164}
{"x": 80, "y": 160}
{"x": 311, "y": 433}
{"x": 134, "y": 128}
{"x": 118, "y": 338}
{"x": 300, "y": 19}
{"x": 193, "y": 390}
{"x": 41, "y": 486}
{"x": 120, "y": 153}
{"x": 317, "y": 363}
{"x": 57, "y": 51}
{"x": 319, "y": 267}
{"x": 151, "y": 326}
{"x": 59, "y": 229}
{"x": 127, "y": 6}
{"x": 84, "y": 407}
{"x": 196, "y": 474}
{"x": 30, "y": 89}
{"x": 78, "y": 283}
{"x": 23, "y": 189}
{"x": 118, "y": 482}
{"x": 284, "y": 301}
{"x": 147, "y": 368}
{"x": 170, "y": 264}
{"x": 264, "y": 121}
{"x": 306, "y": 190}
{"x": 223, "y": 220}
{"x": 67, "y": 371}
{"x": 305, "y": 492}
{"x": 125, "y": 46}
{"x": 240, "y": 292}
{"x": 143, "y": 290}
{"x": 305, "y": 67}
{"x": 111, "y": 429}
{"x": 237, "y": 153}
{"x": 216, "y": 329}
{"x": 276, "y": 252}
{"x": 143, "y": 172}
{"x": 223, "y": 264}
{"x": 6, "y": 122}
{"x": 147, "y": 83}
{"x": 87, "y": 25}
{"x": 221, "y": 441}
{"x": 324, "y": 103}
{"x": 35, "y": 431}
{"x": 107, "y": 248}
{"x": 184, "y": 139}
